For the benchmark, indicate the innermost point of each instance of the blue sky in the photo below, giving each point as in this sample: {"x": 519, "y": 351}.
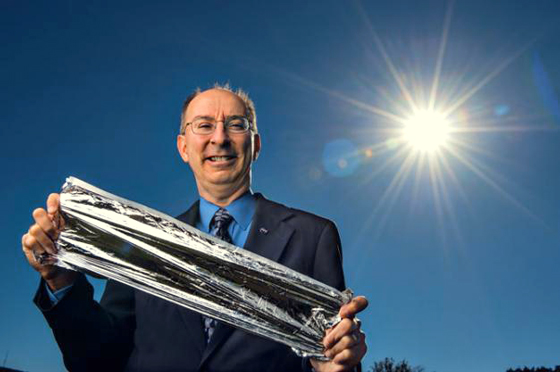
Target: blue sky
{"x": 458, "y": 256}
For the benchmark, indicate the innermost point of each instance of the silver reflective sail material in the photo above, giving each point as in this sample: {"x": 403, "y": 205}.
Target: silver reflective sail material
{"x": 148, "y": 250}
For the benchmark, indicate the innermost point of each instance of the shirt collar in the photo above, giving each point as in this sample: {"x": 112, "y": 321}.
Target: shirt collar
{"x": 241, "y": 209}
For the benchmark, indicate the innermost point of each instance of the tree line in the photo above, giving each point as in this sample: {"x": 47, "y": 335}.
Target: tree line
{"x": 389, "y": 365}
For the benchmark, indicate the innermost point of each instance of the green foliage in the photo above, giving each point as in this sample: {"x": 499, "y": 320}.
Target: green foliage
{"x": 389, "y": 365}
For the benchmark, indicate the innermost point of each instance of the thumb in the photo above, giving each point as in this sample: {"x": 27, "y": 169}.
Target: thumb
{"x": 353, "y": 307}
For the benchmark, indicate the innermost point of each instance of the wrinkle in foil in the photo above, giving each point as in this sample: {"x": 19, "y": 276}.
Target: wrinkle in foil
{"x": 148, "y": 250}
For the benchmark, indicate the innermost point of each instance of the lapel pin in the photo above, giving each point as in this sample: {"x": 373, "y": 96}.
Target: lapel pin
{"x": 264, "y": 231}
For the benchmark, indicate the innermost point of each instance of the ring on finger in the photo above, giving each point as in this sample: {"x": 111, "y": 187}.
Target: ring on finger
{"x": 41, "y": 258}
{"x": 355, "y": 337}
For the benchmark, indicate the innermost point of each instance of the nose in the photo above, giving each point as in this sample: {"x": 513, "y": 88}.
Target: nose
{"x": 220, "y": 136}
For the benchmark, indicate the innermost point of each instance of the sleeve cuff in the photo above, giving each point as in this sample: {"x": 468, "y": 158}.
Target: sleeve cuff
{"x": 57, "y": 295}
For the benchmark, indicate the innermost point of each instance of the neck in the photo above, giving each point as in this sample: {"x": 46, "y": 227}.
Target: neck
{"x": 222, "y": 196}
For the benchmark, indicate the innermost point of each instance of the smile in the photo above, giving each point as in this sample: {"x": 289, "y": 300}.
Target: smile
{"x": 221, "y": 158}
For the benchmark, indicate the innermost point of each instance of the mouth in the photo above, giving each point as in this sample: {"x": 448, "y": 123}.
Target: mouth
{"x": 221, "y": 158}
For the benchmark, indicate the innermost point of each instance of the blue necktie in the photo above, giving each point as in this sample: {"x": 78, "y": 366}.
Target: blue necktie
{"x": 218, "y": 228}
{"x": 220, "y": 223}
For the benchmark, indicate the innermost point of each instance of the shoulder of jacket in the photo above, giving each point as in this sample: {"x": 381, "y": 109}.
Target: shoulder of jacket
{"x": 301, "y": 215}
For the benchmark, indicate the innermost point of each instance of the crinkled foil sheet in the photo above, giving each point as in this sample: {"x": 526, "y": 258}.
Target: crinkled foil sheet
{"x": 148, "y": 250}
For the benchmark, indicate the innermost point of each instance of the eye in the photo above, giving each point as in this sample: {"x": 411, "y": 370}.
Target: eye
{"x": 237, "y": 125}
{"x": 204, "y": 125}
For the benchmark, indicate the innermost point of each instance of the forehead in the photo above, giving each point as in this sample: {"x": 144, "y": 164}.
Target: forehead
{"x": 215, "y": 102}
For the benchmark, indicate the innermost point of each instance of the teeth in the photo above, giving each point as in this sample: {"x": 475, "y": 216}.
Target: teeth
{"x": 220, "y": 158}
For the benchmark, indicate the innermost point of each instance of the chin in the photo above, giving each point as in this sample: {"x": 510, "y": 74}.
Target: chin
{"x": 236, "y": 181}
{"x": 223, "y": 180}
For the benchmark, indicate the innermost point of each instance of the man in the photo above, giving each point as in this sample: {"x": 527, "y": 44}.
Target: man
{"x": 133, "y": 331}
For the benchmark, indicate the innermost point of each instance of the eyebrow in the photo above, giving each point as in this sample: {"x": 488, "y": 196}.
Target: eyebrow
{"x": 203, "y": 117}
{"x": 206, "y": 117}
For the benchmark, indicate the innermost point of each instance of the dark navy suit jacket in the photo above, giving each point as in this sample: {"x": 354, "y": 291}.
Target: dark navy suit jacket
{"x": 130, "y": 330}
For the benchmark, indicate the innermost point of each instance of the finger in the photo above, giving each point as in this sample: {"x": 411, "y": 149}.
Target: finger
{"x": 36, "y": 255}
{"x": 24, "y": 245}
{"x": 32, "y": 244}
{"x": 346, "y": 326}
{"x": 347, "y": 358}
{"x": 32, "y": 248}
{"x": 345, "y": 342}
{"x": 42, "y": 239}
{"x": 352, "y": 356}
{"x": 27, "y": 243}
{"x": 53, "y": 203}
{"x": 45, "y": 223}
{"x": 53, "y": 208}
{"x": 353, "y": 307}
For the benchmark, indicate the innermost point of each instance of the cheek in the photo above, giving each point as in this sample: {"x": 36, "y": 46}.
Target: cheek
{"x": 248, "y": 149}
{"x": 196, "y": 151}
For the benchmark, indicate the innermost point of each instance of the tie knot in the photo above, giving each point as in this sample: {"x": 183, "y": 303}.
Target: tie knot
{"x": 221, "y": 219}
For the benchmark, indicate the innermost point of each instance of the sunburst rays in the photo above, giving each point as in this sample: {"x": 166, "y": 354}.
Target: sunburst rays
{"x": 458, "y": 148}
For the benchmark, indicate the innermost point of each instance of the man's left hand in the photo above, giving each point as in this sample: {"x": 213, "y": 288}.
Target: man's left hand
{"x": 345, "y": 344}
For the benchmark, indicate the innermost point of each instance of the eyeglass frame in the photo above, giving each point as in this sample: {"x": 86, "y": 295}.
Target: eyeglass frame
{"x": 225, "y": 122}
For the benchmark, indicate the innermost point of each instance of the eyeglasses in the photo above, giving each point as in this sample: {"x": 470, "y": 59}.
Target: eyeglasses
{"x": 207, "y": 125}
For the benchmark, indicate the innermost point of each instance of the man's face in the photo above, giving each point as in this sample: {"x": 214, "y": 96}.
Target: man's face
{"x": 221, "y": 161}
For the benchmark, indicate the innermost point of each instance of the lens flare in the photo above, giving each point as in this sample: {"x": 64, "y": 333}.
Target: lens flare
{"x": 426, "y": 131}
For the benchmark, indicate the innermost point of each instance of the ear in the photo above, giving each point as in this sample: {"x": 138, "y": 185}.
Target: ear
{"x": 182, "y": 147}
{"x": 256, "y": 146}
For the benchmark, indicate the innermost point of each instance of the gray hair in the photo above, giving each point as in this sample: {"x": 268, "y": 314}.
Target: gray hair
{"x": 249, "y": 105}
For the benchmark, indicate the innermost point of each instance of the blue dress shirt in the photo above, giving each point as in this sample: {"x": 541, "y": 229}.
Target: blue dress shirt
{"x": 242, "y": 210}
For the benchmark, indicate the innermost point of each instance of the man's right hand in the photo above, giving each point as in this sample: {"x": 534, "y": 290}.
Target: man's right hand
{"x": 40, "y": 241}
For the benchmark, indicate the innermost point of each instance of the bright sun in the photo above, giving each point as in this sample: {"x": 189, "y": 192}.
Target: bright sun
{"x": 426, "y": 131}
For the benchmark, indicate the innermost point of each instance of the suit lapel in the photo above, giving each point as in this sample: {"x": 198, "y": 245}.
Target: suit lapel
{"x": 269, "y": 233}
{"x": 191, "y": 215}
{"x": 268, "y": 237}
